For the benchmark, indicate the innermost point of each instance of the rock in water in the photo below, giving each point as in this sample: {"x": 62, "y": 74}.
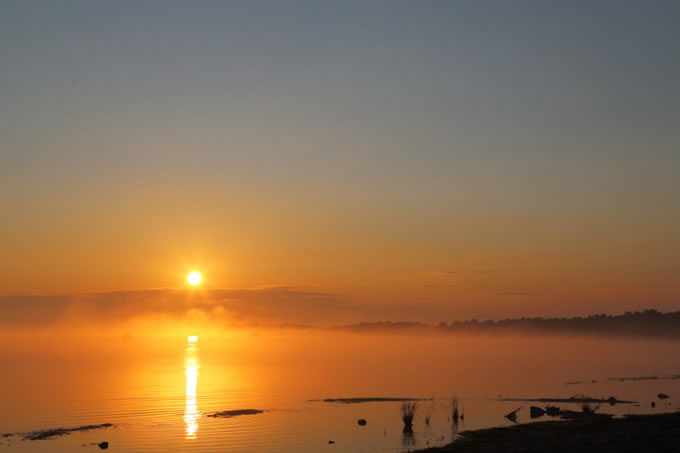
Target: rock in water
{"x": 331, "y": 442}
{"x": 536, "y": 411}
{"x": 361, "y": 422}
{"x": 553, "y": 411}
{"x": 103, "y": 445}
{"x": 662, "y": 396}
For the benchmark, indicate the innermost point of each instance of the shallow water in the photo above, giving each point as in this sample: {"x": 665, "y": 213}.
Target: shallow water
{"x": 158, "y": 391}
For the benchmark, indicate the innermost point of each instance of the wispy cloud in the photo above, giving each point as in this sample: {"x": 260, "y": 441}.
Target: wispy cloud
{"x": 465, "y": 271}
{"x": 513, "y": 293}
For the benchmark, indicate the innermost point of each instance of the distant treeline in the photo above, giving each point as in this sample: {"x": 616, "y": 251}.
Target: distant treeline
{"x": 649, "y": 323}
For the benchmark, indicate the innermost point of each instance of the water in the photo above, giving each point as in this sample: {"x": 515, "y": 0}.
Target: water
{"x": 158, "y": 391}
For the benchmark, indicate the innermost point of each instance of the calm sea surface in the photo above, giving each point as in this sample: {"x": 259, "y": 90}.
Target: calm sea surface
{"x": 158, "y": 391}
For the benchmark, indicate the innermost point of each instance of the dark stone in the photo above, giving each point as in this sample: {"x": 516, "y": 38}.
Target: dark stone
{"x": 553, "y": 411}
{"x": 662, "y": 396}
{"x": 361, "y": 422}
{"x": 104, "y": 445}
{"x": 536, "y": 412}
{"x": 331, "y": 442}
{"x": 653, "y": 404}
{"x": 611, "y": 400}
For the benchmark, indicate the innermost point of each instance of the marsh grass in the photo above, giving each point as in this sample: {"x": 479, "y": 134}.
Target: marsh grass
{"x": 408, "y": 411}
{"x": 429, "y": 410}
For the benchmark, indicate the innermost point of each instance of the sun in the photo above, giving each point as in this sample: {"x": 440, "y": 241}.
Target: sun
{"x": 194, "y": 278}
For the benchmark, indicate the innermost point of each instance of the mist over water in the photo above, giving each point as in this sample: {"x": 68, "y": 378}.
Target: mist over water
{"x": 159, "y": 391}
{"x": 263, "y": 226}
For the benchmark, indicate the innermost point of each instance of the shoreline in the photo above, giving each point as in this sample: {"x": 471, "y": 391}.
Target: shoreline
{"x": 658, "y": 433}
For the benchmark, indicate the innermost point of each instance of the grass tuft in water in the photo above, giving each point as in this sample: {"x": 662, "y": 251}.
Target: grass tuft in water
{"x": 408, "y": 411}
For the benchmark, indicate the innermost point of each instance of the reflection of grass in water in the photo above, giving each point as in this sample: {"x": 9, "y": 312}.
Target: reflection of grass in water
{"x": 455, "y": 414}
{"x": 408, "y": 411}
{"x": 588, "y": 408}
{"x": 407, "y": 438}
{"x": 429, "y": 409}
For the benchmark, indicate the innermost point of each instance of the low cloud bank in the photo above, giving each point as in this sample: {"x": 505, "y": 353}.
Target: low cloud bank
{"x": 271, "y": 305}
{"x": 285, "y": 306}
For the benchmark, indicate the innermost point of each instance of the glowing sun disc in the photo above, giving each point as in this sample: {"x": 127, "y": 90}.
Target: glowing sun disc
{"x": 192, "y": 339}
{"x": 194, "y": 278}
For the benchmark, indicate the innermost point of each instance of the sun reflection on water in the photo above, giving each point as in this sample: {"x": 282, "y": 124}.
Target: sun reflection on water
{"x": 191, "y": 415}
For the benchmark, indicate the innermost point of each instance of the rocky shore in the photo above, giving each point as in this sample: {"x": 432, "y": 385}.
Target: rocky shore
{"x": 643, "y": 433}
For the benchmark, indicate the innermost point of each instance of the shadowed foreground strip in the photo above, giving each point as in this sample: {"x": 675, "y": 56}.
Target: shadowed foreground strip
{"x": 658, "y": 433}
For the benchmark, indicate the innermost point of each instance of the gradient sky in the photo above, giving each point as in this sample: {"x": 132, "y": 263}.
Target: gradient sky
{"x": 409, "y": 160}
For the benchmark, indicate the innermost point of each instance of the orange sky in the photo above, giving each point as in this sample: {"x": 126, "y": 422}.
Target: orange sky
{"x": 427, "y": 164}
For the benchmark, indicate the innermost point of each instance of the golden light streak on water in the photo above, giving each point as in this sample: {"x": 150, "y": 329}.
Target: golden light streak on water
{"x": 191, "y": 414}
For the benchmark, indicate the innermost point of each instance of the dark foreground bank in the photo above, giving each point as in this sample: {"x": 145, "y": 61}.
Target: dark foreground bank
{"x": 644, "y": 433}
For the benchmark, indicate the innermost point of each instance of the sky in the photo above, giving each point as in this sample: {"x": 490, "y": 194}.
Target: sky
{"x": 328, "y": 162}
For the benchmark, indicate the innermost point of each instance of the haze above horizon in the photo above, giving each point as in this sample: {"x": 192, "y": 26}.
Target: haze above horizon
{"x": 347, "y": 161}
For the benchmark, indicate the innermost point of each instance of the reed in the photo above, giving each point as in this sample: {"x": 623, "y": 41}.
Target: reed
{"x": 408, "y": 411}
